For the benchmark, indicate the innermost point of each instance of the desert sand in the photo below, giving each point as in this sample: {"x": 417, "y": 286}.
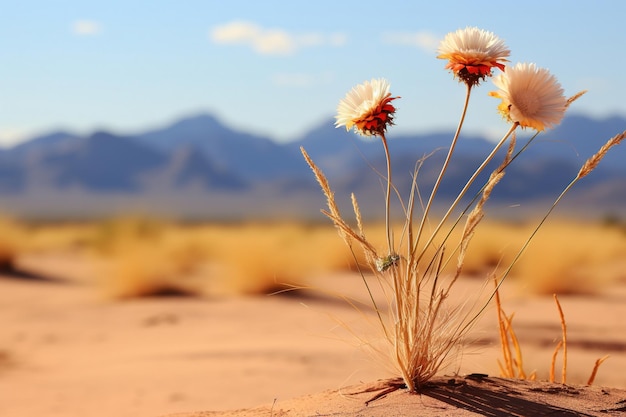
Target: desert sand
{"x": 65, "y": 350}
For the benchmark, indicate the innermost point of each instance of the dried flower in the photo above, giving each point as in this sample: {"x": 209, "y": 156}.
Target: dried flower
{"x": 472, "y": 52}
{"x": 531, "y": 97}
{"x": 367, "y": 108}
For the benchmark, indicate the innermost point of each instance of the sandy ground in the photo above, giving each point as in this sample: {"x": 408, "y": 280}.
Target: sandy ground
{"x": 67, "y": 351}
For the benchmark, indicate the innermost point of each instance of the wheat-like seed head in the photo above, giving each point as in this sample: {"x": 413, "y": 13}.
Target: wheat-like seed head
{"x": 575, "y": 97}
{"x": 593, "y": 162}
{"x": 357, "y": 213}
{"x": 323, "y": 182}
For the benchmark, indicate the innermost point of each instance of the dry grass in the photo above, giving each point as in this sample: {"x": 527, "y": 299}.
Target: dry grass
{"x": 261, "y": 258}
{"x": 61, "y": 237}
{"x": 13, "y": 242}
{"x": 421, "y": 264}
{"x": 512, "y": 365}
{"x": 420, "y": 329}
{"x": 566, "y": 257}
{"x": 143, "y": 257}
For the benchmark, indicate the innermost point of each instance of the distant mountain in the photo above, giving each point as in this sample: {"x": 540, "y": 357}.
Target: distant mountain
{"x": 44, "y": 142}
{"x": 199, "y": 166}
{"x": 187, "y": 166}
{"x": 250, "y": 155}
{"x": 104, "y": 162}
{"x": 100, "y": 162}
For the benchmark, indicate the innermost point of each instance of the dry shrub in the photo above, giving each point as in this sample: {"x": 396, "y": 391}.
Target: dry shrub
{"x": 141, "y": 256}
{"x": 146, "y": 258}
{"x": 567, "y": 256}
{"x": 570, "y": 257}
{"x": 55, "y": 237}
{"x": 267, "y": 257}
{"x": 13, "y": 242}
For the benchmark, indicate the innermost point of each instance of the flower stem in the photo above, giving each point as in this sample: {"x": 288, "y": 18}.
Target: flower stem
{"x": 388, "y": 196}
{"x": 467, "y": 185}
{"x": 443, "y": 170}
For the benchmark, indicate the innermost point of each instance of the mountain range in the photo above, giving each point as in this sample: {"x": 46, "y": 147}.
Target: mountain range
{"x": 198, "y": 167}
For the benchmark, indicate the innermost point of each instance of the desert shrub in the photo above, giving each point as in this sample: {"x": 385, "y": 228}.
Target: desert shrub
{"x": 570, "y": 257}
{"x": 143, "y": 257}
{"x": 13, "y": 242}
{"x": 260, "y": 258}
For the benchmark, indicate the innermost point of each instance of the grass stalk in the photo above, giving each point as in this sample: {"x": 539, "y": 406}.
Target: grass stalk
{"x": 444, "y": 167}
{"x": 564, "y": 339}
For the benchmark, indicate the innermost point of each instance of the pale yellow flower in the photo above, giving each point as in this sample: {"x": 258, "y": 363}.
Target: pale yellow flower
{"x": 367, "y": 108}
{"x": 531, "y": 96}
{"x": 472, "y": 52}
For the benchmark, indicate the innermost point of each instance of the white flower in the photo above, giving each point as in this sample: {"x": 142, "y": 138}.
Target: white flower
{"x": 531, "y": 96}
{"x": 367, "y": 108}
{"x": 472, "y": 52}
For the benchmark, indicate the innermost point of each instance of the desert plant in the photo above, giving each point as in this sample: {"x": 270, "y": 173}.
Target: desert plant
{"x": 512, "y": 365}
{"x": 420, "y": 328}
{"x": 260, "y": 258}
{"x": 144, "y": 257}
{"x": 13, "y": 242}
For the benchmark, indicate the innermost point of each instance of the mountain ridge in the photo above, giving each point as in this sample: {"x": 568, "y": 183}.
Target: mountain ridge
{"x": 198, "y": 157}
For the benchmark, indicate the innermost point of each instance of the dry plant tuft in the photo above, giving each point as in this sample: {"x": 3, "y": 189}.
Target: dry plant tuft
{"x": 510, "y": 367}
{"x": 144, "y": 258}
{"x": 513, "y": 367}
{"x": 147, "y": 257}
{"x": 417, "y": 267}
{"x": 13, "y": 242}
{"x": 267, "y": 258}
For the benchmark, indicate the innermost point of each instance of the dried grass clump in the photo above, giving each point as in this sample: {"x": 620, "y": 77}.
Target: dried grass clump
{"x": 567, "y": 257}
{"x": 512, "y": 365}
{"x": 420, "y": 331}
{"x": 61, "y": 237}
{"x": 13, "y": 242}
{"x": 572, "y": 258}
{"x": 265, "y": 258}
{"x": 417, "y": 266}
{"x": 144, "y": 258}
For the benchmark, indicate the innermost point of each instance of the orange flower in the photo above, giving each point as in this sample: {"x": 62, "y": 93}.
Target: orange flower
{"x": 367, "y": 108}
{"x": 531, "y": 97}
{"x": 472, "y": 53}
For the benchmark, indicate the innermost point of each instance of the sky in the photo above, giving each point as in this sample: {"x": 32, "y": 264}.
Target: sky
{"x": 279, "y": 68}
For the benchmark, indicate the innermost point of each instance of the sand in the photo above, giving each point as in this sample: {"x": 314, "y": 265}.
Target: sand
{"x": 65, "y": 350}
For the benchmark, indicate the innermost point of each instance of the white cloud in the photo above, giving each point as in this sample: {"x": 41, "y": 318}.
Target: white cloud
{"x": 425, "y": 41}
{"x": 11, "y": 136}
{"x": 274, "y": 42}
{"x": 266, "y": 41}
{"x": 85, "y": 27}
{"x": 338, "y": 39}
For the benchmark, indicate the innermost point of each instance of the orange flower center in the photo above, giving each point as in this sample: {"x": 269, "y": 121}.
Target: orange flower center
{"x": 375, "y": 121}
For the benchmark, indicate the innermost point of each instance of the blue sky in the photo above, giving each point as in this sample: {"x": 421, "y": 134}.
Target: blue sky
{"x": 280, "y": 68}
